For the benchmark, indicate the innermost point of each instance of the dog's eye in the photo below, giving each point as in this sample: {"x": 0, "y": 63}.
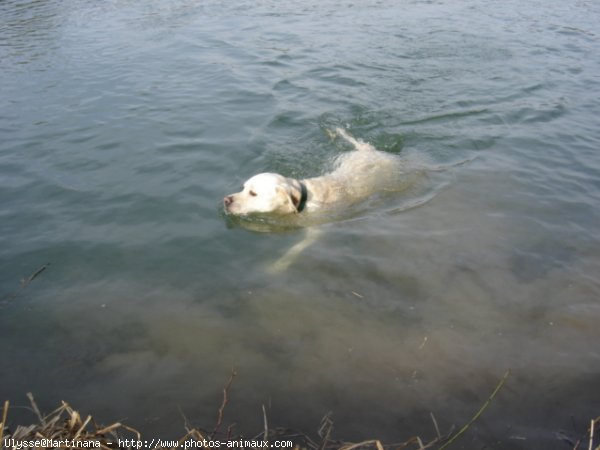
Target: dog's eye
{"x": 252, "y": 193}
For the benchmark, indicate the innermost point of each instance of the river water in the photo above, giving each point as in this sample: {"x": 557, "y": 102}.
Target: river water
{"x": 124, "y": 123}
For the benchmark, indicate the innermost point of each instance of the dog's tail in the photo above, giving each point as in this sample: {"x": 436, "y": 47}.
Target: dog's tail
{"x": 358, "y": 143}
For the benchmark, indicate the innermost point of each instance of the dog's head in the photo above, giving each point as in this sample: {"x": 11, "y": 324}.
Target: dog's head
{"x": 265, "y": 193}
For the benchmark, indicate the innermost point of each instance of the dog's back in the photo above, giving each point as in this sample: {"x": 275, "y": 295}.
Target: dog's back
{"x": 356, "y": 175}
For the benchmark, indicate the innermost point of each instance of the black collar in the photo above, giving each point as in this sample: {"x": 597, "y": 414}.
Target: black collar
{"x": 303, "y": 198}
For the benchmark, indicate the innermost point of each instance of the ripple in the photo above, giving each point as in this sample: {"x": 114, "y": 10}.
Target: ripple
{"x": 536, "y": 115}
{"x": 446, "y": 116}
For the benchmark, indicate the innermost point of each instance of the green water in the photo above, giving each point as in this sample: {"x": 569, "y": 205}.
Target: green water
{"x": 123, "y": 124}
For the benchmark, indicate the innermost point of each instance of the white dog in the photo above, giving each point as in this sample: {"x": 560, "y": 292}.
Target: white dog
{"x": 356, "y": 176}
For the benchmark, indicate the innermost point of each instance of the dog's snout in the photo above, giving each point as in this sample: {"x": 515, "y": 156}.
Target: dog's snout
{"x": 228, "y": 200}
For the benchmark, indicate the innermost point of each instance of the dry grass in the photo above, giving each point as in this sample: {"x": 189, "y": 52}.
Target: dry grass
{"x": 64, "y": 424}
{"x": 65, "y": 428}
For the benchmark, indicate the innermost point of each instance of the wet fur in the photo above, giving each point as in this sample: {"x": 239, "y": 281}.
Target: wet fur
{"x": 356, "y": 175}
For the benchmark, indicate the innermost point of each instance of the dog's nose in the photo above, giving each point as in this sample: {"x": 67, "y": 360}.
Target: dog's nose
{"x": 228, "y": 200}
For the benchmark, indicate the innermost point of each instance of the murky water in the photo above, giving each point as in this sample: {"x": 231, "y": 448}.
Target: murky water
{"x": 123, "y": 124}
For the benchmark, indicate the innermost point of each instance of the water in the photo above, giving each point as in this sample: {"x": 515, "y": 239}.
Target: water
{"x": 123, "y": 124}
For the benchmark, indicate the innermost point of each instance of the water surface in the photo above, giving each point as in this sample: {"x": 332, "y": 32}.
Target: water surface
{"x": 123, "y": 124}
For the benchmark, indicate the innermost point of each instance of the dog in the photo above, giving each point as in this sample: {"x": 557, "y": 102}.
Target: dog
{"x": 356, "y": 175}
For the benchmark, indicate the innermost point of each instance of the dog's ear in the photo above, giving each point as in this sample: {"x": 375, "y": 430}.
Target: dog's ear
{"x": 295, "y": 199}
{"x": 288, "y": 203}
